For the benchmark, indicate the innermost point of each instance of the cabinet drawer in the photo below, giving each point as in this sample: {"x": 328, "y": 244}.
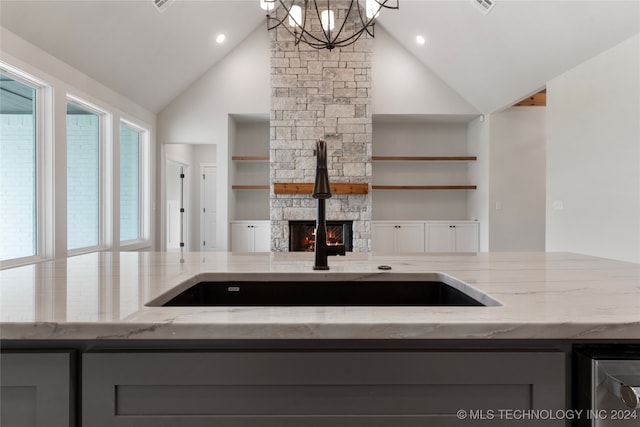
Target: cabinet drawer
{"x": 36, "y": 390}
{"x": 314, "y": 388}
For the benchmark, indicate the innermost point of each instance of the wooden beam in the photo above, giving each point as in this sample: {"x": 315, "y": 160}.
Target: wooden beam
{"x": 307, "y": 188}
{"x": 537, "y": 100}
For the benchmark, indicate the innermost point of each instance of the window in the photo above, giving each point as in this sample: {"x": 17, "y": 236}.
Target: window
{"x": 29, "y": 168}
{"x": 134, "y": 168}
{"x": 19, "y": 153}
{"x": 84, "y": 142}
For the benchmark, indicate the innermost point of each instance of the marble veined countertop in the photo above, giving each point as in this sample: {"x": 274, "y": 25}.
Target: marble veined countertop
{"x": 104, "y": 296}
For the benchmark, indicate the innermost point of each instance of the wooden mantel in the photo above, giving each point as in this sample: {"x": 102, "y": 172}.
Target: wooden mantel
{"x": 307, "y": 188}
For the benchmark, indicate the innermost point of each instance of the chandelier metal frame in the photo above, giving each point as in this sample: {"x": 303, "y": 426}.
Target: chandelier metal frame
{"x": 327, "y": 38}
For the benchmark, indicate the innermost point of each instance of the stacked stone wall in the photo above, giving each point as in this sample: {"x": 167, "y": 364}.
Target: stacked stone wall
{"x": 320, "y": 94}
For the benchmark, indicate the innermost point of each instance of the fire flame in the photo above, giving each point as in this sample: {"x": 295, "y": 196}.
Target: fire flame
{"x": 308, "y": 241}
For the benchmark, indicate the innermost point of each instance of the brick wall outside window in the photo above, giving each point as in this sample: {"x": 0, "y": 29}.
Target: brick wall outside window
{"x": 83, "y": 185}
{"x": 17, "y": 186}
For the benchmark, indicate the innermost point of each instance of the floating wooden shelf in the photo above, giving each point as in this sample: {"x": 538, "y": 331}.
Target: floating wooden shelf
{"x": 250, "y": 158}
{"x": 429, "y": 159}
{"x": 249, "y": 187}
{"x": 307, "y": 188}
{"x": 423, "y": 187}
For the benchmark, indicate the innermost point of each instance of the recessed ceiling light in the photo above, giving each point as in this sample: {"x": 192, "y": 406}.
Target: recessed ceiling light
{"x": 420, "y": 40}
{"x": 221, "y": 38}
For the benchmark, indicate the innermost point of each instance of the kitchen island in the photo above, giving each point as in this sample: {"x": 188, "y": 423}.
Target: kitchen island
{"x": 103, "y": 296}
{"x": 339, "y": 365}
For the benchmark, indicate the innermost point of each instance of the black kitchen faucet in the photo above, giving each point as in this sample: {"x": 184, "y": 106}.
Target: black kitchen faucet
{"x": 321, "y": 192}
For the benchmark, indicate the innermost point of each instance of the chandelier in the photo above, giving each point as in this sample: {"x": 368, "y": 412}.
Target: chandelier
{"x": 315, "y": 22}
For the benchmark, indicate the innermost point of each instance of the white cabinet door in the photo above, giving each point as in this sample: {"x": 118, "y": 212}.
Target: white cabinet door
{"x": 241, "y": 237}
{"x": 251, "y": 236}
{"x": 466, "y": 238}
{"x": 383, "y": 237}
{"x": 262, "y": 237}
{"x": 439, "y": 238}
{"x": 452, "y": 237}
{"x": 410, "y": 237}
{"x": 425, "y": 236}
{"x": 398, "y": 237}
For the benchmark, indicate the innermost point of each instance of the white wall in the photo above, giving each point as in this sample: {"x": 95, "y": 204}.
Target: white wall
{"x": 401, "y": 84}
{"x": 239, "y": 84}
{"x": 67, "y": 80}
{"x": 593, "y": 156}
{"x": 517, "y": 179}
{"x": 478, "y": 144}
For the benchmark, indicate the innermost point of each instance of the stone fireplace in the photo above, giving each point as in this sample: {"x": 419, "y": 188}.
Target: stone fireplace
{"x": 320, "y": 94}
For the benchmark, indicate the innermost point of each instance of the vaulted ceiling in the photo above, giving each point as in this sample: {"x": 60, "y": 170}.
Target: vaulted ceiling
{"x": 491, "y": 60}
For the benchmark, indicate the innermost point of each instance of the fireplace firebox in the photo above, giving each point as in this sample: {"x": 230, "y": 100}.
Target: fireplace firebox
{"x": 302, "y": 235}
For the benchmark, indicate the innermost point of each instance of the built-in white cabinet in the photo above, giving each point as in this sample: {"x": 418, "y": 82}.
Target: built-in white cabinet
{"x": 425, "y": 236}
{"x": 318, "y": 388}
{"x": 457, "y": 236}
{"x": 250, "y": 236}
{"x": 393, "y": 237}
{"x": 37, "y": 389}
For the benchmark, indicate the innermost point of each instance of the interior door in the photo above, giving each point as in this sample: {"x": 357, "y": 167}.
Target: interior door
{"x": 176, "y": 200}
{"x": 173, "y": 225}
{"x": 208, "y": 206}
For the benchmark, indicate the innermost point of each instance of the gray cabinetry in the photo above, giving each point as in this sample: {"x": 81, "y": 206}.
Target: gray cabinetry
{"x": 36, "y": 390}
{"x": 316, "y": 388}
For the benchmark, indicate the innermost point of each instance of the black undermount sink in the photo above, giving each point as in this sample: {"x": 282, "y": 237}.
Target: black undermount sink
{"x": 226, "y": 293}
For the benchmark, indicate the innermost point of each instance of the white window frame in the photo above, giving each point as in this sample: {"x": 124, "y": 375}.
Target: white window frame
{"x": 44, "y": 166}
{"x": 144, "y": 195}
{"x": 104, "y": 176}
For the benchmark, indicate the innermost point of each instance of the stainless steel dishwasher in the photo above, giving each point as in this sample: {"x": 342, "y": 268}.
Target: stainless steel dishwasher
{"x": 607, "y": 385}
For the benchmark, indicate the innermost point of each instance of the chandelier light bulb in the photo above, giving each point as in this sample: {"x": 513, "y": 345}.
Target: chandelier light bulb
{"x": 372, "y": 9}
{"x": 308, "y": 24}
{"x": 295, "y": 16}
{"x": 327, "y": 19}
{"x": 267, "y": 5}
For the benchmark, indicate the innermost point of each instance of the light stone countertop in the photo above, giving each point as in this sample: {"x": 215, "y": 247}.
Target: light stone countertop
{"x": 103, "y": 296}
